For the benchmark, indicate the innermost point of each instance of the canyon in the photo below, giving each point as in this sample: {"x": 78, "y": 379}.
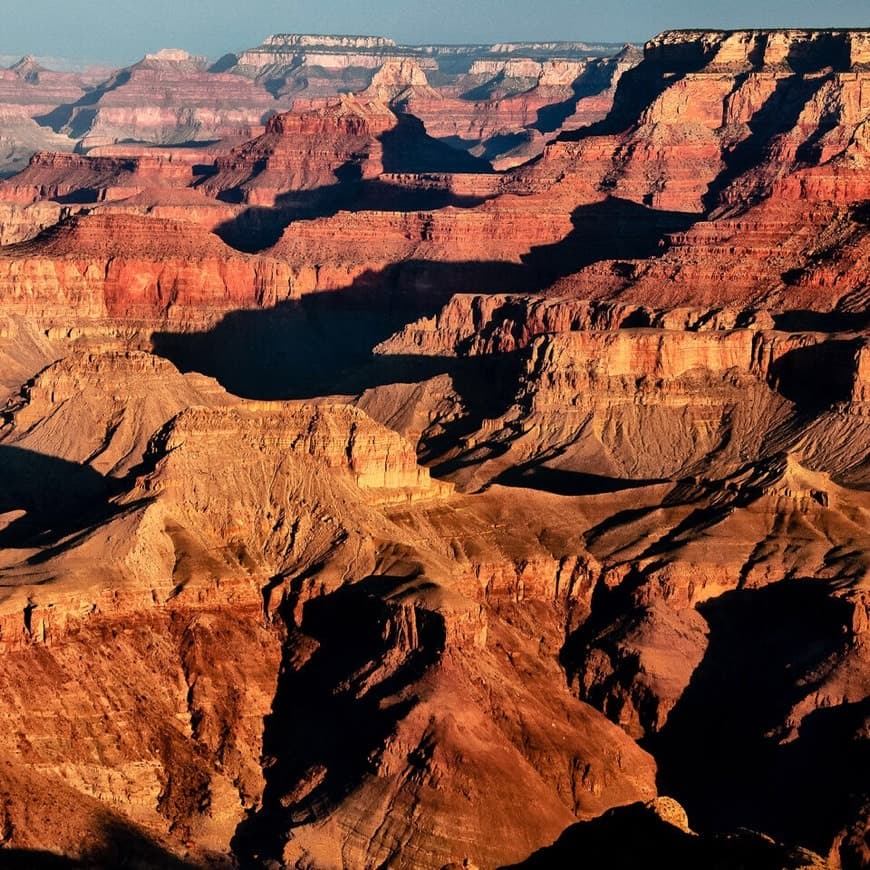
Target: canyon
{"x": 438, "y": 456}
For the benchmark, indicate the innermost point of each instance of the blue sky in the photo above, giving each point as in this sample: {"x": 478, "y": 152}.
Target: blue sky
{"x": 121, "y": 31}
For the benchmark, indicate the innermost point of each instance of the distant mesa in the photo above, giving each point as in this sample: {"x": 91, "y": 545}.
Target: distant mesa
{"x": 301, "y": 40}
{"x": 172, "y": 55}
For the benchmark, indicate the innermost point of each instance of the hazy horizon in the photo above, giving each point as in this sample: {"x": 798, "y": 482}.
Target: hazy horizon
{"x": 122, "y": 31}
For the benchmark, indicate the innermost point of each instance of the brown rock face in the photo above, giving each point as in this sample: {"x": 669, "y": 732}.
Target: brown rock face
{"x": 354, "y": 494}
{"x": 93, "y": 179}
{"x": 305, "y": 150}
{"x": 501, "y": 98}
{"x": 134, "y": 268}
{"x": 341, "y": 490}
{"x": 351, "y": 139}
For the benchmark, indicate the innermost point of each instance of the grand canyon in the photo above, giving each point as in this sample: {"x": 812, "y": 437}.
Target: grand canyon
{"x": 438, "y": 456}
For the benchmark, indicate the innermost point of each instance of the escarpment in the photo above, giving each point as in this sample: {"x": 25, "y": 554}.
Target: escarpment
{"x": 132, "y": 267}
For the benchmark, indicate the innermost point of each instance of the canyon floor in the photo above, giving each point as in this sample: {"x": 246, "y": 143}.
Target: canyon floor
{"x": 448, "y": 457}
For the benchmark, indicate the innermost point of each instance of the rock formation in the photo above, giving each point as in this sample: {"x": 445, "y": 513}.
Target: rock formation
{"x": 354, "y": 494}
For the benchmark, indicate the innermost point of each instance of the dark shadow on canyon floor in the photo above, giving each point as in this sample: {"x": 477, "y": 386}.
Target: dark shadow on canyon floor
{"x": 721, "y": 753}
{"x": 564, "y": 482}
{"x": 822, "y": 321}
{"x": 318, "y": 345}
{"x": 30, "y": 859}
{"x": 631, "y": 837}
{"x": 322, "y": 343}
{"x": 57, "y": 496}
{"x": 117, "y": 846}
{"x": 335, "y": 704}
{"x": 817, "y": 376}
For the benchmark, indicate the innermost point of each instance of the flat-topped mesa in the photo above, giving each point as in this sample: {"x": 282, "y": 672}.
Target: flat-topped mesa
{"x": 565, "y": 47}
{"x": 346, "y": 114}
{"x": 637, "y": 403}
{"x": 528, "y": 68}
{"x": 307, "y": 40}
{"x": 174, "y": 55}
{"x": 348, "y": 139}
{"x": 319, "y": 59}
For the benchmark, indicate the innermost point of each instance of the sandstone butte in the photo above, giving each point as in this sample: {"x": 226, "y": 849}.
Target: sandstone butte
{"x": 469, "y": 471}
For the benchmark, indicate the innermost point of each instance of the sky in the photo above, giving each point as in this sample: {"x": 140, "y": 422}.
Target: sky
{"x": 121, "y": 31}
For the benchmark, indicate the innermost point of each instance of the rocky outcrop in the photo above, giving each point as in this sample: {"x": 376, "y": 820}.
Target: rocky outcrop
{"x": 306, "y": 150}
{"x": 21, "y": 223}
{"x": 351, "y": 140}
{"x": 135, "y": 268}
{"x": 472, "y": 325}
{"x": 73, "y": 178}
{"x": 206, "y": 557}
{"x": 559, "y": 481}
